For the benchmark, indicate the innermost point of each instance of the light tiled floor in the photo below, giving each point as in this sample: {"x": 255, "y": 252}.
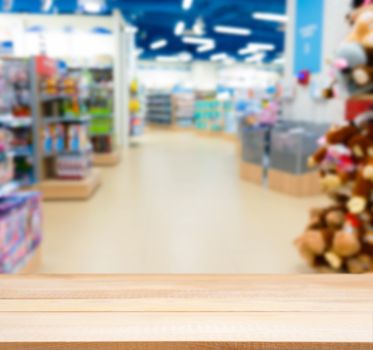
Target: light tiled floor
{"x": 176, "y": 204}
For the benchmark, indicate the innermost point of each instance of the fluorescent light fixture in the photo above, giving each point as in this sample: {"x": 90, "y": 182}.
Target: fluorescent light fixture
{"x": 187, "y": 4}
{"x": 206, "y": 47}
{"x": 92, "y": 6}
{"x": 185, "y": 57}
{"x": 247, "y": 50}
{"x": 167, "y": 58}
{"x": 197, "y": 41}
{"x": 279, "y": 60}
{"x": 179, "y": 28}
{"x": 273, "y": 17}
{"x": 138, "y": 52}
{"x": 131, "y": 29}
{"x": 218, "y": 57}
{"x": 255, "y": 58}
{"x": 47, "y": 5}
{"x": 232, "y": 30}
{"x": 158, "y": 44}
{"x": 261, "y": 46}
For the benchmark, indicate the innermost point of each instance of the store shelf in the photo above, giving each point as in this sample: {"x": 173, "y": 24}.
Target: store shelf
{"x": 68, "y": 152}
{"x": 49, "y": 98}
{"x": 55, "y": 189}
{"x": 69, "y": 120}
{"x": 106, "y": 159}
{"x": 21, "y": 151}
{"x": 15, "y": 122}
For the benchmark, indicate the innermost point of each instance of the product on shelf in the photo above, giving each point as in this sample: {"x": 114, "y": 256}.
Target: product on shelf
{"x": 65, "y": 127}
{"x": 136, "y": 108}
{"x": 20, "y": 229}
{"x": 183, "y": 107}
{"x": 74, "y": 166}
{"x": 208, "y": 113}
{"x": 159, "y": 107}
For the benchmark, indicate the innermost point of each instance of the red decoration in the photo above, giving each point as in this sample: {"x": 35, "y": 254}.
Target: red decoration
{"x": 355, "y": 107}
{"x": 45, "y": 66}
{"x": 304, "y": 77}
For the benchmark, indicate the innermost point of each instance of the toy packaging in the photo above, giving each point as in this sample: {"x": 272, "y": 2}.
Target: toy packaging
{"x": 20, "y": 229}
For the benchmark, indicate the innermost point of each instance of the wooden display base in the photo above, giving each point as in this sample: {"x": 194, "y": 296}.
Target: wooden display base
{"x": 251, "y": 172}
{"x": 71, "y": 189}
{"x": 33, "y": 264}
{"x": 294, "y": 185}
{"x": 107, "y": 159}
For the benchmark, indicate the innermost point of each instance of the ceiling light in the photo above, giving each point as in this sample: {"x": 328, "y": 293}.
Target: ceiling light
{"x": 92, "y": 6}
{"x": 246, "y": 50}
{"x": 185, "y": 57}
{"x": 131, "y": 29}
{"x": 274, "y": 17}
{"x": 138, "y": 52}
{"x": 279, "y": 60}
{"x": 206, "y": 47}
{"x": 167, "y": 58}
{"x": 218, "y": 57}
{"x": 47, "y": 4}
{"x": 255, "y": 58}
{"x": 187, "y": 4}
{"x": 179, "y": 28}
{"x": 261, "y": 46}
{"x": 158, "y": 44}
{"x": 197, "y": 41}
{"x": 232, "y": 30}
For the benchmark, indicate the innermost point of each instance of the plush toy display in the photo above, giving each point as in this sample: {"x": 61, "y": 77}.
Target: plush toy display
{"x": 339, "y": 238}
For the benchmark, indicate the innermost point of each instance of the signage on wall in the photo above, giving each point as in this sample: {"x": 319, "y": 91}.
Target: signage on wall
{"x": 308, "y": 35}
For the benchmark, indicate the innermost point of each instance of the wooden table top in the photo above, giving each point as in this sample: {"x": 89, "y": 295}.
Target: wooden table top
{"x": 186, "y": 312}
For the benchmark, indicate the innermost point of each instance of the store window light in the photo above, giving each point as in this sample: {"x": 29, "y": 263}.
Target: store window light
{"x": 185, "y": 57}
{"x": 187, "y": 4}
{"x": 272, "y": 17}
{"x": 156, "y": 45}
{"x": 179, "y": 28}
{"x": 232, "y": 30}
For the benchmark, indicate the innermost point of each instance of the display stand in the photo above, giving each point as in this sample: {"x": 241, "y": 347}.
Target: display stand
{"x": 251, "y": 172}
{"x": 294, "y": 185}
{"x": 63, "y": 160}
{"x": 107, "y": 159}
{"x": 71, "y": 189}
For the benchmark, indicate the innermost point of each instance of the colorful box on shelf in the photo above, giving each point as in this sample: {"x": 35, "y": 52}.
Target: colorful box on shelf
{"x": 20, "y": 229}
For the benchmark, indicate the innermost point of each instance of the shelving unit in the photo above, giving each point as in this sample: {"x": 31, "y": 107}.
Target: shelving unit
{"x": 183, "y": 103}
{"x": 159, "y": 109}
{"x": 64, "y": 151}
{"x": 20, "y": 213}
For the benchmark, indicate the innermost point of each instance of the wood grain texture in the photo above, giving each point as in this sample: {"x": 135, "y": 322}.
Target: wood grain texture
{"x": 186, "y": 312}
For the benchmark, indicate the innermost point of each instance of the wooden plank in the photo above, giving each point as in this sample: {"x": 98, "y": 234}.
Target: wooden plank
{"x": 107, "y": 159}
{"x": 186, "y": 312}
{"x": 71, "y": 189}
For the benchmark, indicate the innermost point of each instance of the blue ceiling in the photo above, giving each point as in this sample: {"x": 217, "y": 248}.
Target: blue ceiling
{"x": 156, "y": 19}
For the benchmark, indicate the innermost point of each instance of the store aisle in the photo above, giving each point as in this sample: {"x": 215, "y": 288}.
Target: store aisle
{"x": 176, "y": 204}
